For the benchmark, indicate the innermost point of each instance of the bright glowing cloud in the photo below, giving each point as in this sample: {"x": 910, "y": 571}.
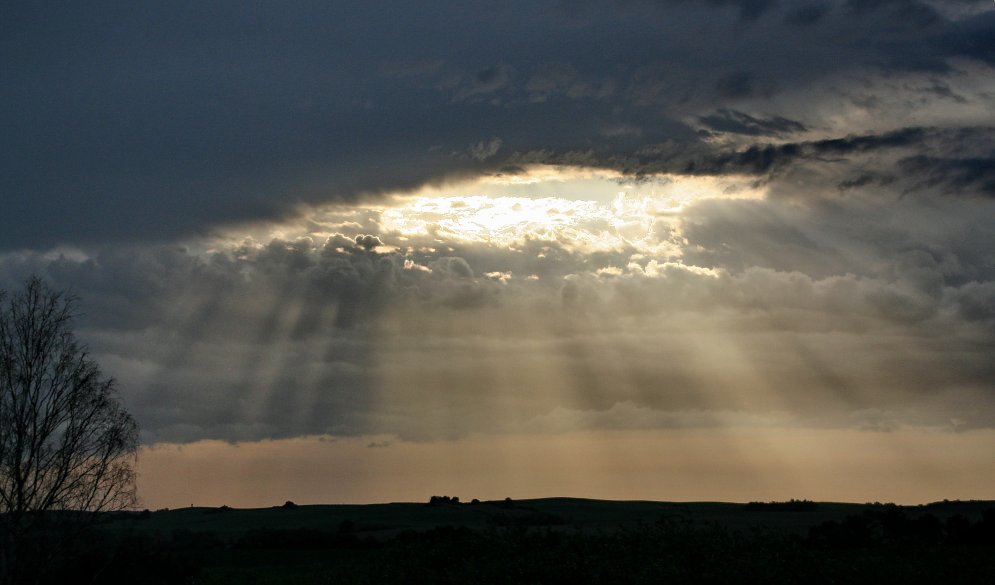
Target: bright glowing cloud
{"x": 584, "y": 210}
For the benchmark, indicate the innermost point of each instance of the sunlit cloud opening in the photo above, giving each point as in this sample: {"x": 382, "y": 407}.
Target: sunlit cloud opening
{"x": 582, "y": 208}
{"x": 579, "y": 208}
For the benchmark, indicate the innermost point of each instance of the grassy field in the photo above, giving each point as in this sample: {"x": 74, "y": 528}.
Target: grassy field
{"x": 543, "y": 541}
{"x": 386, "y": 520}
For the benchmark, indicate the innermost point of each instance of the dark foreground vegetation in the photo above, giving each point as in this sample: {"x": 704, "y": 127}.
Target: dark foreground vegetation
{"x": 541, "y": 541}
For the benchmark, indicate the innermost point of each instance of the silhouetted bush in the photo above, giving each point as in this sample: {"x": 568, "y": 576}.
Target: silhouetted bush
{"x": 892, "y": 526}
{"x": 529, "y": 519}
{"x": 961, "y": 531}
{"x": 296, "y": 539}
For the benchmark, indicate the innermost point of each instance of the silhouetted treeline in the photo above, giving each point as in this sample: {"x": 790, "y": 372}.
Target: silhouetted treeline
{"x": 881, "y": 545}
{"x": 789, "y": 506}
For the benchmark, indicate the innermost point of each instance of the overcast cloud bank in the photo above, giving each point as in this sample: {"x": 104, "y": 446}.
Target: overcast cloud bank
{"x": 216, "y": 183}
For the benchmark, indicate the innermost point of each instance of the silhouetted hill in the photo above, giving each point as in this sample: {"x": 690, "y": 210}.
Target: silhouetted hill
{"x": 385, "y": 520}
{"x": 550, "y": 540}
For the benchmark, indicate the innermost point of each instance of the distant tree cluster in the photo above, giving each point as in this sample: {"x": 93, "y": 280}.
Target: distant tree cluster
{"x": 455, "y": 501}
{"x": 789, "y": 506}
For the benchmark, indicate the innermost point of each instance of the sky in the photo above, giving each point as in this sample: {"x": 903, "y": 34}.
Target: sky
{"x": 377, "y": 251}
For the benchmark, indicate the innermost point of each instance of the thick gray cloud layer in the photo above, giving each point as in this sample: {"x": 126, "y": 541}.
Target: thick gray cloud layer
{"x": 860, "y": 292}
{"x": 145, "y": 121}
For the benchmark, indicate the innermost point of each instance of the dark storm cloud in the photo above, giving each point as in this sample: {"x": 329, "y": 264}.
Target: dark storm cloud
{"x": 953, "y": 174}
{"x": 726, "y": 120}
{"x": 806, "y": 15}
{"x": 127, "y": 121}
{"x": 863, "y": 180}
{"x": 748, "y": 9}
{"x": 908, "y": 155}
{"x": 765, "y": 158}
{"x": 736, "y": 85}
{"x": 974, "y": 40}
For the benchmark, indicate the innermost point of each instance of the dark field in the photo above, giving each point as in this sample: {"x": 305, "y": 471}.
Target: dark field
{"x": 555, "y": 540}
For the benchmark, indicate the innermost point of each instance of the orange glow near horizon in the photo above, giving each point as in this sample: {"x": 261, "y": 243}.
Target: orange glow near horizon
{"x": 736, "y": 465}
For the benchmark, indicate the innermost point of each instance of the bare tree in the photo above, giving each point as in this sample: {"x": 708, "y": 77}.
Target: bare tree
{"x": 67, "y": 446}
